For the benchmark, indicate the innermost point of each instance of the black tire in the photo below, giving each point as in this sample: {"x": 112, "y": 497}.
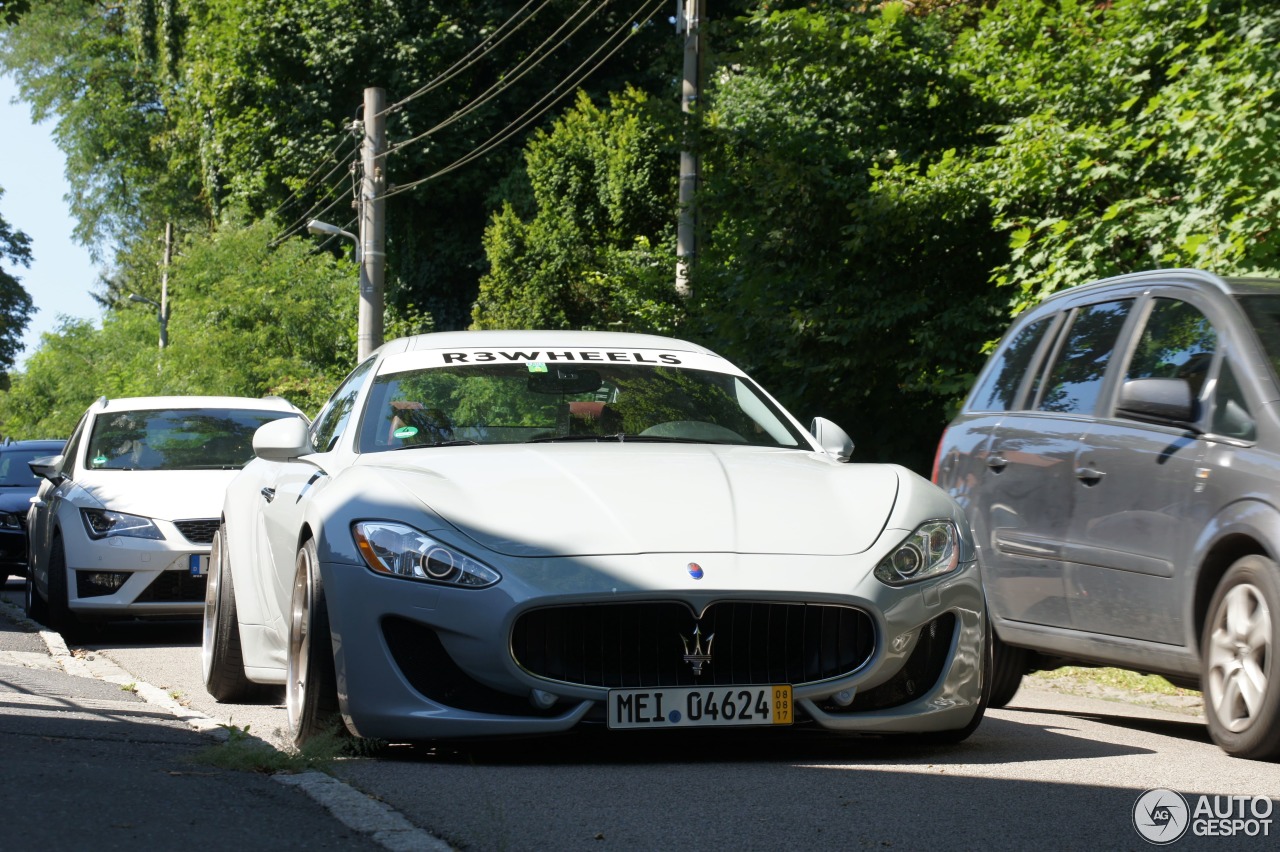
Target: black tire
{"x": 1240, "y": 672}
{"x": 59, "y": 615}
{"x": 221, "y": 654}
{"x": 311, "y": 689}
{"x": 1008, "y": 666}
{"x": 4, "y": 579}
{"x": 33, "y": 604}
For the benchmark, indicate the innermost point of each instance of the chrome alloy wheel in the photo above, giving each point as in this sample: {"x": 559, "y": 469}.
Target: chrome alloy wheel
{"x": 1238, "y": 654}
{"x": 212, "y": 589}
{"x": 299, "y": 645}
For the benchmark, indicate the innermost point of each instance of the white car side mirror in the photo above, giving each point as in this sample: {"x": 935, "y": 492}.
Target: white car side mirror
{"x": 832, "y": 438}
{"x": 283, "y": 440}
{"x": 47, "y": 467}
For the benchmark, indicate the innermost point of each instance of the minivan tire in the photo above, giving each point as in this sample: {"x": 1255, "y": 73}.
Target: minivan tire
{"x": 1008, "y": 666}
{"x": 1238, "y": 658}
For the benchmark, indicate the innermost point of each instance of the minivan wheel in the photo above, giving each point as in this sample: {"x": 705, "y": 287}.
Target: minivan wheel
{"x": 1240, "y": 672}
{"x": 1008, "y": 666}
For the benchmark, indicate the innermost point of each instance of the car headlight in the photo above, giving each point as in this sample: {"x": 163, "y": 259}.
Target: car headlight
{"x": 10, "y": 521}
{"x": 399, "y": 549}
{"x": 931, "y": 550}
{"x": 103, "y": 523}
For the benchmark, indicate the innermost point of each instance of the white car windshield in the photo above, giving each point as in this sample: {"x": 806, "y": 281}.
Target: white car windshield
{"x": 176, "y": 439}
{"x": 516, "y": 403}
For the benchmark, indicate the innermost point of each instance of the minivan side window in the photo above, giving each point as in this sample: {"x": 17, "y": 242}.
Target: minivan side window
{"x": 1075, "y": 379}
{"x": 1177, "y": 343}
{"x": 1231, "y": 415}
{"x": 1000, "y": 386}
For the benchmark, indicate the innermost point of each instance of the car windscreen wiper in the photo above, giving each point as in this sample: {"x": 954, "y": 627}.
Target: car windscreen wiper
{"x": 458, "y": 443}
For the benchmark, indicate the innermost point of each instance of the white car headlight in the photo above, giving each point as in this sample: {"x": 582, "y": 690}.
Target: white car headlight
{"x": 103, "y": 523}
{"x": 399, "y": 549}
{"x": 931, "y": 550}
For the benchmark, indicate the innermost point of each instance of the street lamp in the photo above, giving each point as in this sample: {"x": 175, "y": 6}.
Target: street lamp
{"x": 369, "y": 323}
{"x": 160, "y": 315}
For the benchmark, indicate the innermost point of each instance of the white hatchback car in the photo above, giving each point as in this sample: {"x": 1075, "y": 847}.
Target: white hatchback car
{"x": 122, "y": 523}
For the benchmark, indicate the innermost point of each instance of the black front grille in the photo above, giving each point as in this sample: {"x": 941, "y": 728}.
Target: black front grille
{"x": 198, "y": 531}
{"x": 645, "y": 644}
{"x": 173, "y": 586}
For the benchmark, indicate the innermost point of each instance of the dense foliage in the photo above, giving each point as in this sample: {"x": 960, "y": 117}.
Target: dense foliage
{"x": 883, "y": 184}
{"x": 15, "y": 301}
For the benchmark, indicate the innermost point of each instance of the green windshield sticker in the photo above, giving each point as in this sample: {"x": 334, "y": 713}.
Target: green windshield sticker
{"x": 99, "y": 461}
{"x": 406, "y": 432}
{"x": 537, "y": 367}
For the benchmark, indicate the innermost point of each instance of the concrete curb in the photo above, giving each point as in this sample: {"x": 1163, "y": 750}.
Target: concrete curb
{"x": 359, "y": 812}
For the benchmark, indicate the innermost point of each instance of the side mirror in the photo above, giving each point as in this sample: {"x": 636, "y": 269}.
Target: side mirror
{"x": 833, "y": 440}
{"x": 48, "y": 467}
{"x": 1161, "y": 400}
{"x": 282, "y": 440}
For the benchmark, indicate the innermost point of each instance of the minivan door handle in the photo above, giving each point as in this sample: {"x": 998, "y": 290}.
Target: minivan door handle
{"x": 1089, "y": 476}
{"x": 997, "y": 463}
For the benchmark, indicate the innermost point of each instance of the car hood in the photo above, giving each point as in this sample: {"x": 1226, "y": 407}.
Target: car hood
{"x": 592, "y": 499}
{"x": 16, "y": 498}
{"x": 167, "y": 494}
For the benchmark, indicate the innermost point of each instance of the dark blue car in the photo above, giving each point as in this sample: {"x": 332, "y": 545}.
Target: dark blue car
{"x": 17, "y": 486}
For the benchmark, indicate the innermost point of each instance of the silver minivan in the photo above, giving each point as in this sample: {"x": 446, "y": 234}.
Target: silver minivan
{"x": 1119, "y": 461}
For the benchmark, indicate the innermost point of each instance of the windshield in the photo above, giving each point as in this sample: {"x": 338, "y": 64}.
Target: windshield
{"x": 176, "y": 439}
{"x": 14, "y": 471}
{"x": 525, "y": 402}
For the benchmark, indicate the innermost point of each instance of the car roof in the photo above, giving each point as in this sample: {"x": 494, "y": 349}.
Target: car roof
{"x": 1231, "y": 286}
{"x": 540, "y": 338}
{"x": 148, "y": 403}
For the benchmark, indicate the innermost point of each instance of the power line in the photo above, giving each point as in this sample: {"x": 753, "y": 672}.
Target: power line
{"x": 463, "y": 64}
{"x": 525, "y": 118}
{"x": 348, "y": 139}
{"x": 511, "y": 77}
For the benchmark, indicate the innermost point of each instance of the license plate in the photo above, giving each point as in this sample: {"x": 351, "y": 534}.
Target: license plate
{"x": 683, "y": 707}
{"x": 199, "y": 565}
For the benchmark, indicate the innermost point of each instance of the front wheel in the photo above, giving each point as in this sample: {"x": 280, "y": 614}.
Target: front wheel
{"x": 60, "y": 617}
{"x": 32, "y": 603}
{"x": 1008, "y": 666}
{"x": 1240, "y": 672}
{"x": 221, "y": 656}
{"x": 311, "y": 694}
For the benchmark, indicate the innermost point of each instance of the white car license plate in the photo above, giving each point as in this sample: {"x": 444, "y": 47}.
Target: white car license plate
{"x": 199, "y": 565}
{"x": 700, "y": 706}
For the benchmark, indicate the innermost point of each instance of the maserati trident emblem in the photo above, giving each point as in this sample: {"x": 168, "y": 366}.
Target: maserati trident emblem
{"x": 695, "y": 570}
{"x": 697, "y": 656}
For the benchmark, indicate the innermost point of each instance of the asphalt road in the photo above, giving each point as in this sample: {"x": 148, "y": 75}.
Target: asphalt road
{"x": 1051, "y": 771}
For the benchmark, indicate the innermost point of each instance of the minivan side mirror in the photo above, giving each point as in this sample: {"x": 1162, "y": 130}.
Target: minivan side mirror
{"x": 282, "y": 440}
{"x": 832, "y": 438}
{"x": 1162, "y": 400}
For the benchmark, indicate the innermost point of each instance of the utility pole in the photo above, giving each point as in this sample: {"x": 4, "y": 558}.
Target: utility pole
{"x": 373, "y": 224}
{"x": 164, "y": 285}
{"x": 688, "y": 21}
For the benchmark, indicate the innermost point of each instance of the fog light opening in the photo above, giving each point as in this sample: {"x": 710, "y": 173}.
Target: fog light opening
{"x": 844, "y": 697}
{"x": 542, "y": 700}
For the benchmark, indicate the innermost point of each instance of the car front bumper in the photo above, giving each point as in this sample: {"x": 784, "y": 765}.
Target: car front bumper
{"x": 417, "y": 661}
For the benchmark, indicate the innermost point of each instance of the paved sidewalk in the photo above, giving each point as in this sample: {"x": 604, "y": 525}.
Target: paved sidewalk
{"x": 90, "y": 763}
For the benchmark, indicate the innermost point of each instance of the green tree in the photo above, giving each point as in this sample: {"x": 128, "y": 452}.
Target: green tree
{"x": 1135, "y": 134}
{"x": 246, "y": 319}
{"x": 15, "y": 302}
{"x": 850, "y": 291}
{"x": 598, "y": 250}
